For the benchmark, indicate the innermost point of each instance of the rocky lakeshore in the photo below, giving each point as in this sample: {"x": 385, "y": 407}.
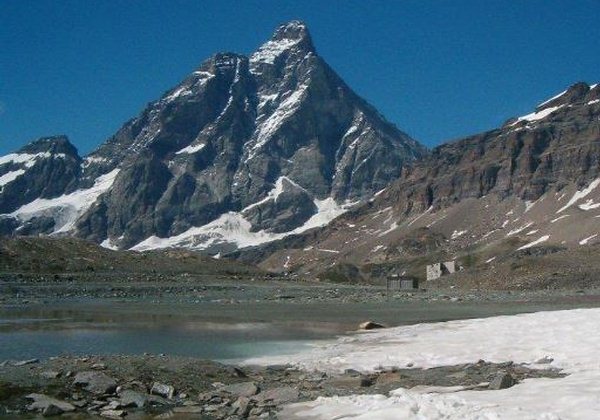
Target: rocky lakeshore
{"x": 193, "y": 289}
{"x": 160, "y": 386}
{"x": 84, "y": 316}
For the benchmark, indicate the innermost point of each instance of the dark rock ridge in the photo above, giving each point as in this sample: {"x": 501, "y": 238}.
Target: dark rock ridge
{"x": 244, "y": 144}
{"x": 44, "y": 168}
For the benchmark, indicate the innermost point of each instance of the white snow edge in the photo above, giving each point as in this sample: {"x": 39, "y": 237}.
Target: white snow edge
{"x": 569, "y": 338}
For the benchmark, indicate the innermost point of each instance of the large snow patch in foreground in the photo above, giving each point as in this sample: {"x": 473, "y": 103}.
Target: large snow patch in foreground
{"x": 569, "y": 337}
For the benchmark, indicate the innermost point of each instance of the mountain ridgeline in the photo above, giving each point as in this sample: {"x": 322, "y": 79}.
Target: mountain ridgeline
{"x": 261, "y": 153}
{"x": 244, "y": 151}
{"x": 488, "y": 199}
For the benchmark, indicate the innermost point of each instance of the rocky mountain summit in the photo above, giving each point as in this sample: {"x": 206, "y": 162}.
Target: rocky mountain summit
{"x": 41, "y": 170}
{"x": 245, "y": 150}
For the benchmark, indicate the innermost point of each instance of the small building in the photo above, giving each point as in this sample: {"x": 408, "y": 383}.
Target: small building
{"x": 397, "y": 282}
{"x": 437, "y": 270}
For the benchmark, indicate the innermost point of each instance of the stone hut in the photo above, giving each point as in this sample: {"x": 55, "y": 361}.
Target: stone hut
{"x": 396, "y": 282}
{"x": 437, "y": 270}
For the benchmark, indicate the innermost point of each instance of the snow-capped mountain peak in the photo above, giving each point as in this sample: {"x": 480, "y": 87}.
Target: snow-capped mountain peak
{"x": 265, "y": 146}
{"x": 292, "y": 38}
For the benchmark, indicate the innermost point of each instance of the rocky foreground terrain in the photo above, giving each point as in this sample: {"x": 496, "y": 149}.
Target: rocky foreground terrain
{"x": 40, "y": 289}
{"x": 161, "y": 387}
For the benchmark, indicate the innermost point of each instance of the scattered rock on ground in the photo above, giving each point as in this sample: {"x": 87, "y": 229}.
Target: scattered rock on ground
{"x": 163, "y": 390}
{"x": 502, "y": 380}
{"x": 241, "y": 407}
{"x": 370, "y": 325}
{"x": 390, "y": 378}
{"x": 220, "y": 395}
{"x": 50, "y": 374}
{"x": 242, "y": 389}
{"x": 544, "y": 360}
{"x": 26, "y": 362}
{"x": 280, "y": 395}
{"x": 52, "y": 410}
{"x": 130, "y": 398}
{"x": 236, "y": 372}
{"x": 347, "y": 382}
{"x": 95, "y": 382}
{"x": 190, "y": 409}
{"x": 42, "y": 402}
{"x": 113, "y": 414}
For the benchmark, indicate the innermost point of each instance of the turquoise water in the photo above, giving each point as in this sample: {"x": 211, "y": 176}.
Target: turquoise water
{"x": 132, "y": 339}
{"x": 211, "y": 331}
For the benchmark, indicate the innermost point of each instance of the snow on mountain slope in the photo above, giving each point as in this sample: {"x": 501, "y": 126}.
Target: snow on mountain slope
{"x": 232, "y": 231}
{"x": 250, "y": 149}
{"x": 22, "y": 161}
{"x": 388, "y": 237}
{"x": 538, "y": 115}
{"x": 66, "y": 209}
{"x": 43, "y": 169}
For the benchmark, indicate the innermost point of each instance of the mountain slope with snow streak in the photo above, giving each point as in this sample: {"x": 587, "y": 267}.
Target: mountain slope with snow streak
{"x": 528, "y": 187}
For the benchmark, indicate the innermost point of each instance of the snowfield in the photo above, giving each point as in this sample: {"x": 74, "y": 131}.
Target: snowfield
{"x": 66, "y": 209}
{"x": 233, "y": 228}
{"x": 568, "y": 337}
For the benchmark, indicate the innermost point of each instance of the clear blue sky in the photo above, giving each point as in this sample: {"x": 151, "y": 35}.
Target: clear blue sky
{"x": 439, "y": 69}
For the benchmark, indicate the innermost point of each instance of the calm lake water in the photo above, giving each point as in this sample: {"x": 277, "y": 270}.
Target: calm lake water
{"x": 213, "y": 331}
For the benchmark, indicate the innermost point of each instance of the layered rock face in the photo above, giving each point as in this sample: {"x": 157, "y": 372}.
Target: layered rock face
{"x": 245, "y": 150}
{"x": 557, "y": 145}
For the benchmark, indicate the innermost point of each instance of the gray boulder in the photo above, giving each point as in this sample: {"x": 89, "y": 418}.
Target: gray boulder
{"x": 95, "y": 382}
{"x": 242, "y": 389}
{"x": 163, "y": 390}
{"x": 50, "y": 374}
{"x": 43, "y": 402}
{"x": 502, "y": 380}
{"x": 241, "y": 407}
{"x": 130, "y": 398}
{"x": 370, "y": 325}
{"x": 113, "y": 414}
{"x": 26, "y": 362}
{"x": 190, "y": 409}
{"x": 285, "y": 394}
{"x": 52, "y": 410}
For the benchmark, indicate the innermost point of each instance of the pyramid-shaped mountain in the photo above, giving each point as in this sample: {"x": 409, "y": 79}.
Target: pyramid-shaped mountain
{"x": 245, "y": 150}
